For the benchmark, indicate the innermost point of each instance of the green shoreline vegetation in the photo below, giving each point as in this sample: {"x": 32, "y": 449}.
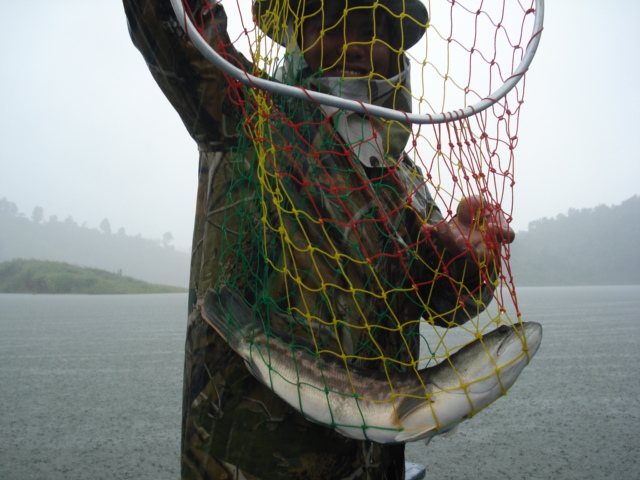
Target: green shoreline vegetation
{"x": 43, "y": 276}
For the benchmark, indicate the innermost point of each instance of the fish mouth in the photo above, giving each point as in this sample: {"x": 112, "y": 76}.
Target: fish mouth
{"x": 512, "y": 345}
{"x": 533, "y": 335}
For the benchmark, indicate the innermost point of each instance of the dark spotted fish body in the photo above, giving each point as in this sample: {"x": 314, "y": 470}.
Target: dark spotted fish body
{"x": 361, "y": 404}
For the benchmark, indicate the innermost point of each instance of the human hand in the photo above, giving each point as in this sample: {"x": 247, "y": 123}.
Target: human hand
{"x": 477, "y": 231}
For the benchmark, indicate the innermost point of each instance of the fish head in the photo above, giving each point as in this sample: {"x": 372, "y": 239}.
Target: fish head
{"x": 492, "y": 364}
{"x": 488, "y": 367}
{"x": 469, "y": 380}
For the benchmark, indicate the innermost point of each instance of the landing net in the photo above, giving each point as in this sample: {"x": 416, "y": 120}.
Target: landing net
{"x": 330, "y": 214}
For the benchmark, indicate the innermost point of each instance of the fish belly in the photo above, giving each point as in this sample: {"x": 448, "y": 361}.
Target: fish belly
{"x": 346, "y": 413}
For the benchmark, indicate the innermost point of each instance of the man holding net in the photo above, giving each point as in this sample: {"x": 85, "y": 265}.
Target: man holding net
{"x": 317, "y": 217}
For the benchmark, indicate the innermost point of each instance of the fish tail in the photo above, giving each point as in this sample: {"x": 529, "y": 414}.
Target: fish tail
{"x": 229, "y": 315}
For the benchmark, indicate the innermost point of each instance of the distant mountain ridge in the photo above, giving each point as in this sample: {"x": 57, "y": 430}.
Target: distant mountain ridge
{"x": 590, "y": 246}
{"x": 66, "y": 241}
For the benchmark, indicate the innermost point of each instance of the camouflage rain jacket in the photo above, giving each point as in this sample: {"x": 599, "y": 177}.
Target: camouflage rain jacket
{"x": 307, "y": 233}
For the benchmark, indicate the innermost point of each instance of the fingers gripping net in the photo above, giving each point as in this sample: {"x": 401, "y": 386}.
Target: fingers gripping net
{"x": 345, "y": 229}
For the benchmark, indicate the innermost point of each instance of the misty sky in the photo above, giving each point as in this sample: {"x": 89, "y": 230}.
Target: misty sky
{"x": 85, "y": 132}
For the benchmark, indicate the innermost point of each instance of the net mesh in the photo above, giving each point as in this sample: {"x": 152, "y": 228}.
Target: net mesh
{"x": 330, "y": 216}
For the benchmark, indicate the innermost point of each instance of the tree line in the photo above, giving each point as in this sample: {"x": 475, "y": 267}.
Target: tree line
{"x": 589, "y": 246}
{"x": 154, "y": 261}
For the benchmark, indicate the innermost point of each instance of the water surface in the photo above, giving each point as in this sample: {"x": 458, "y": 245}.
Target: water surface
{"x": 92, "y": 387}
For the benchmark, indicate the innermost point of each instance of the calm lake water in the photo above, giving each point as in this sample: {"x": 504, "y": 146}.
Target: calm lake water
{"x": 91, "y": 389}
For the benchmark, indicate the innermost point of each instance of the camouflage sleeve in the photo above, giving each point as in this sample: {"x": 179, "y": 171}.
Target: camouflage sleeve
{"x": 457, "y": 297}
{"x": 197, "y": 90}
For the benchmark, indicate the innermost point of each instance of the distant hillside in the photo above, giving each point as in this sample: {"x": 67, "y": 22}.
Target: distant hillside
{"x": 153, "y": 261}
{"x": 591, "y": 246}
{"x": 39, "y": 276}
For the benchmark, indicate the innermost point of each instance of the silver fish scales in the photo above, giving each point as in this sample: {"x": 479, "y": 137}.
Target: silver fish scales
{"x": 384, "y": 407}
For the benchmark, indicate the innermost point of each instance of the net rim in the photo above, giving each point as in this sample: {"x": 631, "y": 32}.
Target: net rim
{"x": 356, "y": 106}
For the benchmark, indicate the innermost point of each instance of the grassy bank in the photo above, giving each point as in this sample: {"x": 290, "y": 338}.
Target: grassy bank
{"x": 41, "y": 276}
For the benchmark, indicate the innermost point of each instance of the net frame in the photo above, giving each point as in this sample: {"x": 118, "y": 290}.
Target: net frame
{"x": 360, "y": 107}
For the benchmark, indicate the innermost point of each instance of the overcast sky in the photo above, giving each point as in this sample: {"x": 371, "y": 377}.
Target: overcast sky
{"x": 86, "y": 133}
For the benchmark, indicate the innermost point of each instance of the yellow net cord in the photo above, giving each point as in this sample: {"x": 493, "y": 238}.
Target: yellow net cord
{"x": 333, "y": 235}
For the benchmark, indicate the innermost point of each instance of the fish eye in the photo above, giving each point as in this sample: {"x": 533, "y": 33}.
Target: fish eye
{"x": 503, "y": 329}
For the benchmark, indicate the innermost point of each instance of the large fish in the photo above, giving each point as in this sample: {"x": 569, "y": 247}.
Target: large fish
{"x": 384, "y": 407}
